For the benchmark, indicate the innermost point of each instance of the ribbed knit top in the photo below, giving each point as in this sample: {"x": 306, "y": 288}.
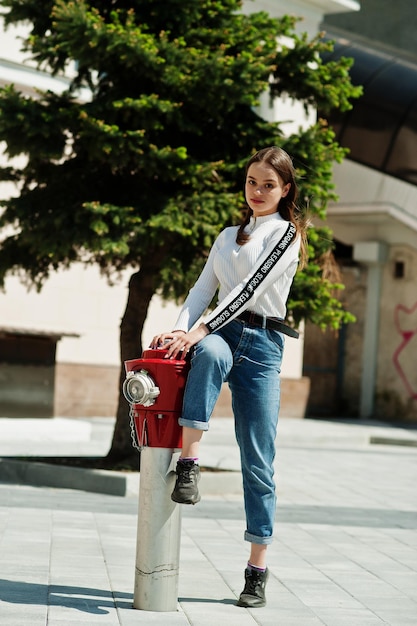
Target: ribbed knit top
{"x": 256, "y": 276}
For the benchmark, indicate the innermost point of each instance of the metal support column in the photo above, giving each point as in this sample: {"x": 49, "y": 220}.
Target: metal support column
{"x": 159, "y": 533}
{"x": 374, "y": 254}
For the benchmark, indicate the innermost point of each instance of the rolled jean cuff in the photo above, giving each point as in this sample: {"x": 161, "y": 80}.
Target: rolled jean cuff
{"x": 262, "y": 541}
{"x": 193, "y": 424}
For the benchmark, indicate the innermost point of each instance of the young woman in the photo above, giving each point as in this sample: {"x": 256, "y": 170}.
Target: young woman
{"x": 242, "y": 343}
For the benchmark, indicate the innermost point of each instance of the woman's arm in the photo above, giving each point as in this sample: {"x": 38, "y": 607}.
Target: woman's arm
{"x": 201, "y": 294}
{"x": 197, "y": 301}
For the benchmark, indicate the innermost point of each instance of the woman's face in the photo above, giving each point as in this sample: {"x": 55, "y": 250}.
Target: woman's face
{"x": 264, "y": 188}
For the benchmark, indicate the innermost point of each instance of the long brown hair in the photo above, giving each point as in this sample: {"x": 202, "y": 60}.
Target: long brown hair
{"x": 282, "y": 163}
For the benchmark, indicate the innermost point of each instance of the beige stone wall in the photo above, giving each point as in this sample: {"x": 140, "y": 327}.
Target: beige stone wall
{"x": 90, "y": 390}
{"x": 396, "y": 386}
{"x": 396, "y": 393}
{"x": 382, "y": 209}
{"x": 83, "y": 390}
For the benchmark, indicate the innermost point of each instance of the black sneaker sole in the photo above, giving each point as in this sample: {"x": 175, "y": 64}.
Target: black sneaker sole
{"x": 180, "y": 500}
{"x": 249, "y": 605}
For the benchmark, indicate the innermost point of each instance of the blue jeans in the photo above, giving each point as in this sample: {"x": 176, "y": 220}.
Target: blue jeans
{"x": 249, "y": 359}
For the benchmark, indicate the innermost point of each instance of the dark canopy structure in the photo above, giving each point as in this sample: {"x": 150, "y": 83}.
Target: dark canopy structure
{"x": 381, "y": 129}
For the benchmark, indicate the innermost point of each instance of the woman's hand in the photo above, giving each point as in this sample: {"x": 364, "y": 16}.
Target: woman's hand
{"x": 179, "y": 342}
{"x": 162, "y": 340}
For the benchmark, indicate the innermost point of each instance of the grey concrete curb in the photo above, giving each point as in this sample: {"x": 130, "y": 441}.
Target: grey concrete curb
{"x": 392, "y": 441}
{"x": 47, "y": 475}
{"x": 103, "y": 481}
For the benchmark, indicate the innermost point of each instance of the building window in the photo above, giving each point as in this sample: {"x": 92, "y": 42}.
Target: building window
{"x": 399, "y": 269}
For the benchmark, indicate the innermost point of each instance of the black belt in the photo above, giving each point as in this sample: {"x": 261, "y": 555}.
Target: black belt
{"x": 253, "y": 319}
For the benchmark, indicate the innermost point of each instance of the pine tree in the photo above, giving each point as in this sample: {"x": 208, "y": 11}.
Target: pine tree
{"x": 139, "y": 163}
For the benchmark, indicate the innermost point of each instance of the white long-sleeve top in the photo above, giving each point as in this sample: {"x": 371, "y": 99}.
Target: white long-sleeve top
{"x": 256, "y": 276}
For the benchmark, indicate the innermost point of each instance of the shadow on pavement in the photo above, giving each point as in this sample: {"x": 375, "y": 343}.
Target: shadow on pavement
{"x": 82, "y": 598}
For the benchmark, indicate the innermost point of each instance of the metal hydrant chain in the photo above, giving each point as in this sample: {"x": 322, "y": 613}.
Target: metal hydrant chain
{"x": 135, "y": 443}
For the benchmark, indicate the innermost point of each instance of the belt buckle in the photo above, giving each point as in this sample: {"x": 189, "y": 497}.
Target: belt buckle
{"x": 264, "y": 321}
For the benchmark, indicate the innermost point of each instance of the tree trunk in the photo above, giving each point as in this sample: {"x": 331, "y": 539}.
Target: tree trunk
{"x": 141, "y": 290}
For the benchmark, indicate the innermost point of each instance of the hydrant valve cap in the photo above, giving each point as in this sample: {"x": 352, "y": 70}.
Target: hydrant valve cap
{"x": 140, "y": 388}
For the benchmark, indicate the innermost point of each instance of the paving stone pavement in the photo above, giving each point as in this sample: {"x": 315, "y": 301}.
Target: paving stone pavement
{"x": 344, "y": 554}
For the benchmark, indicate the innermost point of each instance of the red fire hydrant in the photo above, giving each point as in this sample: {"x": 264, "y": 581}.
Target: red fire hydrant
{"x": 154, "y": 388}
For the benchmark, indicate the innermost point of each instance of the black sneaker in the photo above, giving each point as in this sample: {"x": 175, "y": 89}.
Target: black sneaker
{"x": 186, "y": 486}
{"x": 253, "y": 595}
